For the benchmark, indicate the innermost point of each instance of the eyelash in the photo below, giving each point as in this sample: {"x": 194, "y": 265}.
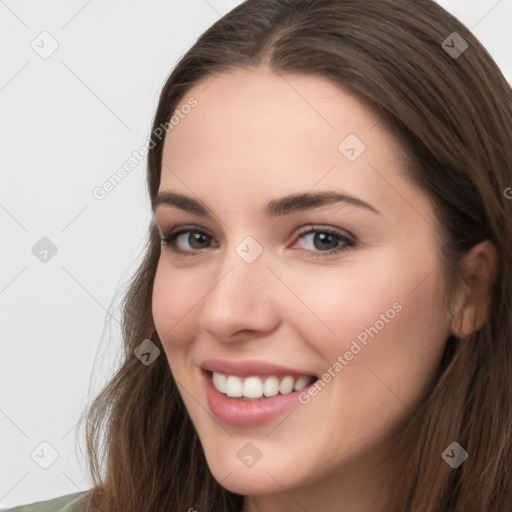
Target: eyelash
{"x": 170, "y": 240}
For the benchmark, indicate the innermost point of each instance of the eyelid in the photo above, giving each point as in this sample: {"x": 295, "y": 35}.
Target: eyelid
{"x": 308, "y": 228}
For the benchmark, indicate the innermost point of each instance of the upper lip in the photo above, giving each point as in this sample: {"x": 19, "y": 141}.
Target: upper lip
{"x": 246, "y": 368}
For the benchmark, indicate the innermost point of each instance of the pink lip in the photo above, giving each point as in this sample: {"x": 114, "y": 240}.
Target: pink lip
{"x": 240, "y": 413}
{"x": 248, "y": 368}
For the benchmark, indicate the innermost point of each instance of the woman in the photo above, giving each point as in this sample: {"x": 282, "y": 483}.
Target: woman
{"x": 323, "y": 317}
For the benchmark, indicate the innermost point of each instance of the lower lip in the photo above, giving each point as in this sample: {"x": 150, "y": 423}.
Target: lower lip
{"x": 240, "y": 413}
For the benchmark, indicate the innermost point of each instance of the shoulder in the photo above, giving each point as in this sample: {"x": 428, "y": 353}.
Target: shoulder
{"x": 68, "y": 503}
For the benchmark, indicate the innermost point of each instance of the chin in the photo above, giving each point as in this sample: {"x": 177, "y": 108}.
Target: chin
{"x": 248, "y": 481}
{"x": 268, "y": 475}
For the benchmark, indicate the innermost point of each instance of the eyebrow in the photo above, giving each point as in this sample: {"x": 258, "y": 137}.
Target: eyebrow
{"x": 276, "y": 207}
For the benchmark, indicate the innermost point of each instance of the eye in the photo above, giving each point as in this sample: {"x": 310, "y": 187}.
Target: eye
{"x": 325, "y": 241}
{"x": 190, "y": 236}
{"x": 319, "y": 240}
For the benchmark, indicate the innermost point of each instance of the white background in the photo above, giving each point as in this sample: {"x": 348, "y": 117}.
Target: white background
{"x": 68, "y": 122}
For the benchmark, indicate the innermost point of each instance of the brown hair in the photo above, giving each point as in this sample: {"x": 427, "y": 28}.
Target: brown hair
{"x": 453, "y": 117}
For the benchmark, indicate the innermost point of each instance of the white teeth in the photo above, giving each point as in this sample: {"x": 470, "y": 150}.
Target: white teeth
{"x": 233, "y": 386}
{"x": 286, "y": 385}
{"x": 256, "y": 387}
{"x": 253, "y": 387}
{"x": 219, "y": 381}
{"x": 300, "y": 383}
{"x": 271, "y": 386}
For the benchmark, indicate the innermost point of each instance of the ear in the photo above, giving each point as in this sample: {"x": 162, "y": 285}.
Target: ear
{"x": 473, "y": 309}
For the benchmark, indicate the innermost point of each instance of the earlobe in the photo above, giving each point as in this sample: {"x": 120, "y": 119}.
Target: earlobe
{"x": 474, "y": 308}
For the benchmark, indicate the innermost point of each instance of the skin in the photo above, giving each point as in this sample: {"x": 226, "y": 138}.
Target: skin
{"x": 256, "y": 136}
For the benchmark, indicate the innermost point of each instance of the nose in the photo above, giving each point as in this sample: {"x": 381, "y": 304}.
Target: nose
{"x": 241, "y": 301}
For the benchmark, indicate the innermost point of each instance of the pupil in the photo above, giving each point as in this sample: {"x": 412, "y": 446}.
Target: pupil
{"x": 196, "y": 237}
{"x": 324, "y": 238}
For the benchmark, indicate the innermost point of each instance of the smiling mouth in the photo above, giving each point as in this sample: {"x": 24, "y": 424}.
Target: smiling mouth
{"x": 258, "y": 387}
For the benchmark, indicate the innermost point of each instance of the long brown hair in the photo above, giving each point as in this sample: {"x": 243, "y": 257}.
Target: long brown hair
{"x": 453, "y": 116}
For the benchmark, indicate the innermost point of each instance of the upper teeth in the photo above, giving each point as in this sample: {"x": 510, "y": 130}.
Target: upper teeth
{"x": 256, "y": 387}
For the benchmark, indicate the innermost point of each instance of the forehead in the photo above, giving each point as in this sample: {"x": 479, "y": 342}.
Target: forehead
{"x": 258, "y": 133}
{"x": 253, "y": 110}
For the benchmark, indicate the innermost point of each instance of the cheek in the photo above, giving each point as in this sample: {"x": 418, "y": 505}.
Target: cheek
{"x": 384, "y": 316}
{"x": 337, "y": 304}
{"x": 176, "y": 298}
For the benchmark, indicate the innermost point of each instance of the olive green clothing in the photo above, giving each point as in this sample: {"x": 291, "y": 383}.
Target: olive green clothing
{"x": 68, "y": 503}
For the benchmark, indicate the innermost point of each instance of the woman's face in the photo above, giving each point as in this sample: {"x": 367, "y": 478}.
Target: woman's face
{"x": 280, "y": 283}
